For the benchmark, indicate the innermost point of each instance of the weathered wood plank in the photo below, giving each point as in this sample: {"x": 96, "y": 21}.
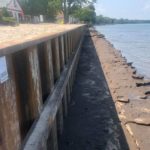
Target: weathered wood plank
{"x": 61, "y": 52}
{"x": 60, "y": 120}
{"x": 68, "y": 92}
{"x": 46, "y": 68}
{"x": 52, "y": 143}
{"x": 66, "y": 49}
{"x": 34, "y": 83}
{"x": 56, "y": 58}
{"x": 65, "y": 104}
{"x": 28, "y": 86}
{"x": 10, "y": 138}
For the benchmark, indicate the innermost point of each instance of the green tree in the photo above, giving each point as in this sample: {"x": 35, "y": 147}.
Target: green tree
{"x": 50, "y": 8}
{"x": 86, "y": 14}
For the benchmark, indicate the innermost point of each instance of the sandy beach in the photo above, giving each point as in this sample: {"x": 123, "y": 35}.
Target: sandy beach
{"x": 130, "y": 92}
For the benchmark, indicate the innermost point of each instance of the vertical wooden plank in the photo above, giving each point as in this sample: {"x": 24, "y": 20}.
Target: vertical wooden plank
{"x": 46, "y": 68}
{"x": 65, "y": 104}
{"x": 71, "y": 42}
{"x": 50, "y": 62}
{"x": 34, "y": 83}
{"x": 9, "y": 120}
{"x": 52, "y": 142}
{"x": 69, "y": 48}
{"x": 71, "y": 82}
{"x": 61, "y": 52}
{"x": 66, "y": 47}
{"x": 28, "y": 86}
{"x": 68, "y": 92}
{"x": 56, "y": 58}
{"x": 60, "y": 121}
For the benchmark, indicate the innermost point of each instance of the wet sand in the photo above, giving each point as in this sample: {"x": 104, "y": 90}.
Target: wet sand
{"x": 130, "y": 92}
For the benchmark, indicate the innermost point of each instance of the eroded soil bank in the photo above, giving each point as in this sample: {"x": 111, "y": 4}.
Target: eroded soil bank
{"x": 92, "y": 122}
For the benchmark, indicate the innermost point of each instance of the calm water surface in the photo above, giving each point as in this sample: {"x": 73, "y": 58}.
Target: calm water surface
{"x": 134, "y": 42}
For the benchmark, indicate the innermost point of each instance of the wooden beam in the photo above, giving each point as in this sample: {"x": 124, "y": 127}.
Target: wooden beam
{"x": 56, "y": 58}
{"x": 10, "y": 138}
{"x": 46, "y": 68}
{"x": 28, "y": 86}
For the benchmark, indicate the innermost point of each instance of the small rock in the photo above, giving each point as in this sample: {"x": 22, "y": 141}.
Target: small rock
{"x": 100, "y": 36}
{"x": 143, "y": 97}
{"x": 143, "y": 84}
{"x": 122, "y": 99}
{"x": 130, "y": 63}
{"x": 140, "y": 121}
{"x": 134, "y": 71}
{"x": 132, "y": 67}
{"x": 147, "y": 93}
{"x": 138, "y": 77}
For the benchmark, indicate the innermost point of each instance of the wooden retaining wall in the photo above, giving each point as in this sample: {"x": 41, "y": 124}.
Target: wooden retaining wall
{"x": 34, "y": 99}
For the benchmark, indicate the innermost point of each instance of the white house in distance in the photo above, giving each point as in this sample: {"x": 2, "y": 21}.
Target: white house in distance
{"x": 13, "y": 7}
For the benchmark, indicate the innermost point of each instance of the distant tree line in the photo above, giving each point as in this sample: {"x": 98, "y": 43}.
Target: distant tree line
{"x": 107, "y": 20}
{"x": 82, "y": 9}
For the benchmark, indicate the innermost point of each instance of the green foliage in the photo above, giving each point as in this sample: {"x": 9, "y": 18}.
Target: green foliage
{"x": 5, "y": 13}
{"x": 86, "y": 14}
{"x": 50, "y": 8}
{"x": 5, "y": 18}
{"x": 8, "y": 21}
{"x": 54, "y": 6}
{"x": 34, "y": 7}
{"x": 106, "y": 20}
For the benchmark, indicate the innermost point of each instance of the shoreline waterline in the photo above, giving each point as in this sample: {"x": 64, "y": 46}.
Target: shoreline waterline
{"x": 133, "y": 46}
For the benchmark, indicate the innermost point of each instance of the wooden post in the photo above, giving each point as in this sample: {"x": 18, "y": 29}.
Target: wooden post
{"x": 68, "y": 92}
{"x": 28, "y": 86}
{"x": 56, "y": 58}
{"x": 65, "y": 104}
{"x": 69, "y": 48}
{"x": 52, "y": 142}
{"x": 46, "y": 68}
{"x": 66, "y": 48}
{"x": 71, "y": 42}
{"x": 34, "y": 93}
{"x": 60, "y": 121}
{"x": 10, "y": 138}
{"x": 61, "y": 52}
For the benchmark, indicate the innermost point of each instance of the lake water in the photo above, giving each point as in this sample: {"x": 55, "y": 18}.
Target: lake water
{"x": 134, "y": 42}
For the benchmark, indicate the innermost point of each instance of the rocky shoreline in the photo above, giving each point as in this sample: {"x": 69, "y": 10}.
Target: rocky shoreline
{"x": 130, "y": 91}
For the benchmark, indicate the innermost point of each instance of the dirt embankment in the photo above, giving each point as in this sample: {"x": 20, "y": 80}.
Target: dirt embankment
{"x": 130, "y": 91}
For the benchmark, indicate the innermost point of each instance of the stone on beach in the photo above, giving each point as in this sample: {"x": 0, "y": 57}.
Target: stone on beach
{"x": 140, "y": 121}
{"x": 140, "y": 77}
{"x": 147, "y": 93}
{"x": 122, "y": 99}
{"x": 130, "y": 63}
{"x": 143, "y": 84}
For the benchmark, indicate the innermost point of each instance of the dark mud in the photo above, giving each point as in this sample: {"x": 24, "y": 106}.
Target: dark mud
{"x": 92, "y": 122}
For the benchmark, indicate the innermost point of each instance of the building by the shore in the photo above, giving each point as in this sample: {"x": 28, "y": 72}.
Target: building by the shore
{"x": 13, "y": 7}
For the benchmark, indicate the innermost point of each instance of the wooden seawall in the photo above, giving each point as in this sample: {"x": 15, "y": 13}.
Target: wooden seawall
{"x": 35, "y": 89}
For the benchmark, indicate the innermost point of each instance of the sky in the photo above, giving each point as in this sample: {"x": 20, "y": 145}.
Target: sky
{"x": 129, "y": 9}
